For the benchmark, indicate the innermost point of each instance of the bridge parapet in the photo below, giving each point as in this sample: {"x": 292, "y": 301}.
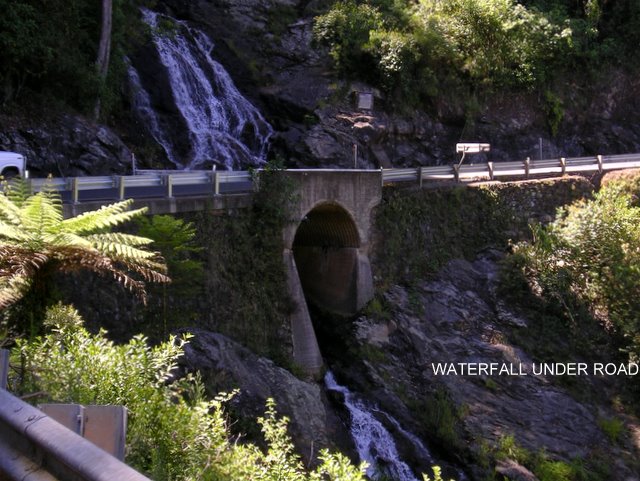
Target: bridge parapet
{"x": 355, "y": 191}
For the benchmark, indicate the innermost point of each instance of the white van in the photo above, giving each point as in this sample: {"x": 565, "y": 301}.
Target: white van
{"x": 12, "y": 165}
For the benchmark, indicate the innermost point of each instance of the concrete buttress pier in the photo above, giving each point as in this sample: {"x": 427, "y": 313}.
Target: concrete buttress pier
{"x": 327, "y": 250}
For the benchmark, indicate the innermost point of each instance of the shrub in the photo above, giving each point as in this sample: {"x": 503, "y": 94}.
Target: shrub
{"x": 173, "y": 431}
{"x": 591, "y": 254}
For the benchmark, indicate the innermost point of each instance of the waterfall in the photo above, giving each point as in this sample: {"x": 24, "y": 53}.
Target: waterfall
{"x": 142, "y": 105}
{"x": 222, "y": 126}
{"x": 374, "y": 443}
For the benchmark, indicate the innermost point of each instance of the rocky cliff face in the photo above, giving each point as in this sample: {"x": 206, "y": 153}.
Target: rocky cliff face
{"x": 456, "y": 317}
{"x": 68, "y": 145}
{"x": 226, "y": 366}
{"x": 266, "y": 45}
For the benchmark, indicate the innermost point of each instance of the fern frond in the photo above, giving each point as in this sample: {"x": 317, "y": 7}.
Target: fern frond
{"x": 119, "y": 237}
{"x": 123, "y": 251}
{"x": 150, "y": 273}
{"x": 12, "y": 292}
{"x": 105, "y": 217}
{"x": 74, "y": 260}
{"x": 66, "y": 239}
{"x": 12, "y": 233}
{"x": 9, "y": 210}
{"x": 17, "y": 191}
{"x": 40, "y": 213}
{"x": 17, "y": 267}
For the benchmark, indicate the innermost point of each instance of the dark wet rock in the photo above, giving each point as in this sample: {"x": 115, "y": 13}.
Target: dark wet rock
{"x": 454, "y": 318}
{"x": 68, "y": 145}
{"x": 225, "y": 365}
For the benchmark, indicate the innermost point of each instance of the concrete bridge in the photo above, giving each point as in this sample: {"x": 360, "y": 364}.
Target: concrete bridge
{"x": 326, "y": 245}
{"x": 326, "y": 250}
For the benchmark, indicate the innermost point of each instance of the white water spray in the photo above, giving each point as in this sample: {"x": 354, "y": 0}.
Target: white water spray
{"x": 374, "y": 443}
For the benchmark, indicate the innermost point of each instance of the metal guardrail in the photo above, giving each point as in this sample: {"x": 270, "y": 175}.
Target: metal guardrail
{"x": 35, "y": 447}
{"x": 525, "y": 168}
{"x": 167, "y": 180}
{"x": 118, "y": 185}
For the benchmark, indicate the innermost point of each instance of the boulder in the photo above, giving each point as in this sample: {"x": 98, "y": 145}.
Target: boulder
{"x": 225, "y": 365}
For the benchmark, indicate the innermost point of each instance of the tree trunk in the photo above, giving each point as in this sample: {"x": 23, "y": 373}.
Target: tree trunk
{"x": 104, "y": 48}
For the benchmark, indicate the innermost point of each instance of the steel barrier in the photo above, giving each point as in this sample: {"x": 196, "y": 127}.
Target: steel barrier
{"x": 35, "y": 447}
{"x": 465, "y": 172}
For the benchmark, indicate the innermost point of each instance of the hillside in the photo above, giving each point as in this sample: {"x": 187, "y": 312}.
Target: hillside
{"x": 537, "y": 78}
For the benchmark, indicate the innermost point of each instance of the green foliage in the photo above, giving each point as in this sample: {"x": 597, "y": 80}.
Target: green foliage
{"x": 440, "y": 417}
{"x": 453, "y": 223}
{"x": 437, "y": 474}
{"x": 50, "y": 49}
{"x": 613, "y": 428}
{"x": 246, "y": 283}
{"x": 175, "y": 239}
{"x": 420, "y": 50}
{"x": 345, "y": 28}
{"x": 497, "y": 41}
{"x": 175, "y": 304}
{"x": 508, "y": 448}
{"x": 554, "y": 110}
{"x": 412, "y": 50}
{"x": 590, "y": 257}
{"x": 545, "y": 468}
{"x": 36, "y": 242}
{"x": 173, "y": 432}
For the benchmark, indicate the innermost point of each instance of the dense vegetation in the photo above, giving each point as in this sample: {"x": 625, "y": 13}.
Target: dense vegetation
{"x": 36, "y": 242}
{"x": 173, "y": 432}
{"x": 419, "y": 50}
{"x": 586, "y": 268}
{"x": 50, "y": 49}
{"x": 415, "y": 50}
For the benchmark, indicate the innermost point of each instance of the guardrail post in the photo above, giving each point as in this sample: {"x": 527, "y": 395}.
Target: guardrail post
{"x": 29, "y": 183}
{"x": 563, "y": 164}
{"x": 456, "y": 172}
{"x": 527, "y": 165}
{"x": 168, "y": 179}
{"x": 216, "y": 184}
{"x": 490, "y": 166}
{"x": 4, "y": 368}
{"x": 121, "y": 186}
{"x": 75, "y": 191}
{"x": 599, "y": 158}
{"x": 420, "y": 176}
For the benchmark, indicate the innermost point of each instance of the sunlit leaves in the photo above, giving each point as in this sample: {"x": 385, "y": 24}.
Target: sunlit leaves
{"x": 173, "y": 432}
{"x": 592, "y": 254}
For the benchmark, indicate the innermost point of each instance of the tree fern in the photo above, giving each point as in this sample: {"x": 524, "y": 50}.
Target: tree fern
{"x": 35, "y": 241}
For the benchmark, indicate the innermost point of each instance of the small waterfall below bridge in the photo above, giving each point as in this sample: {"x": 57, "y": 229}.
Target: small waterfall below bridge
{"x": 203, "y": 120}
{"x": 373, "y": 441}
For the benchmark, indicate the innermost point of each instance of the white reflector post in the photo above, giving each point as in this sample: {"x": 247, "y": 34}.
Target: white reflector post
{"x": 472, "y": 148}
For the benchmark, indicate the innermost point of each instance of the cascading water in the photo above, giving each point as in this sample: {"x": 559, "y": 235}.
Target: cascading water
{"x": 142, "y": 105}
{"x": 374, "y": 443}
{"x": 223, "y": 127}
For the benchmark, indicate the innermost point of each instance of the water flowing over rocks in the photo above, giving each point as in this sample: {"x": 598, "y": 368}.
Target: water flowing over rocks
{"x": 199, "y": 118}
{"x": 267, "y": 47}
